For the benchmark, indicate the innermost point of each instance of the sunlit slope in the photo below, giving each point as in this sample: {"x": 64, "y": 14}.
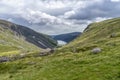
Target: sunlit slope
{"x": 10, "y": 43}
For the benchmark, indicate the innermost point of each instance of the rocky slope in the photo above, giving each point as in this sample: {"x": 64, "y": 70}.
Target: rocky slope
{"x": 16, "y": 38}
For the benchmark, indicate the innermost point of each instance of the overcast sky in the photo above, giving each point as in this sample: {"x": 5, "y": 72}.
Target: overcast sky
{"x": 58, "y": 16}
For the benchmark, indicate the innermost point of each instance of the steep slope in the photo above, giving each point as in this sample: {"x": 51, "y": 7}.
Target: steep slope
{"x": 74, "y": 61}
{"x": 15, "y": 38}
{"x": 99, "y": 34}
{"x": 67, "y": 37}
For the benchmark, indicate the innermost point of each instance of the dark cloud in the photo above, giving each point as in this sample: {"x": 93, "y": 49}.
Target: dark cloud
{"x": 105, "y": 9}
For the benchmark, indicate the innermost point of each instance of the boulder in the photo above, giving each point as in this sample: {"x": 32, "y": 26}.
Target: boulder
{"x": 4, "y": 59}
{"x": 52, "y": 51}
{"x": 113, "y": 35}
{"x": 96, "y": 50}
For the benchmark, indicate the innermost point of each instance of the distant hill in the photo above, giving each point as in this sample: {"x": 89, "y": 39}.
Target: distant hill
{"x": 15, "y": 36}
{"x": 67, "y": 37}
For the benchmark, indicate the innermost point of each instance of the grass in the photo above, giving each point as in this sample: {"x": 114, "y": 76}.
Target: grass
{"x": 10, "y": 53}
{"x": 80, "y": 64}
{"x": 4, "y": 48}
{"x": 64, "y": 66}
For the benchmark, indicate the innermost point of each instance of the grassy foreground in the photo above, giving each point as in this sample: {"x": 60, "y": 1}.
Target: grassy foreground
{"x": 75, "y": 60}
{"x": 65, "y": 66}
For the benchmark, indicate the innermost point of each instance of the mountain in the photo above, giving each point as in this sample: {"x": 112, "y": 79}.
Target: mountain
{"x": 98, "y": 34}
{"x": 14, "y": 37}
{"x": 76, "y": 60}
{"x": 67, "y": 37}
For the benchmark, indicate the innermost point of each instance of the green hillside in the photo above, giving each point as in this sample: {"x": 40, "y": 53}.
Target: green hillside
{"x": 74, "y": 61}
{"x": 97, "y": 35}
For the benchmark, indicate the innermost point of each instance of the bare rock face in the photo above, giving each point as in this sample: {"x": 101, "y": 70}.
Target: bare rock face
{"x": 96, "y": 50}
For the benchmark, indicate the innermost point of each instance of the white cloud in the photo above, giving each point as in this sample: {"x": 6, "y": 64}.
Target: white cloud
{"x": 69, "y": 13}
{"x": 37, "y": 17}
{"x": 98, "y": 19}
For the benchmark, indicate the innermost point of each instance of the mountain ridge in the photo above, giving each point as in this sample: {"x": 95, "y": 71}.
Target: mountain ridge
{"x": 17, "y": 39}
{"x": 67, "y": 37}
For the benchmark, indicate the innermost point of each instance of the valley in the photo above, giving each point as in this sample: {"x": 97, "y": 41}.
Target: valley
{"x": 94, "y": 55}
